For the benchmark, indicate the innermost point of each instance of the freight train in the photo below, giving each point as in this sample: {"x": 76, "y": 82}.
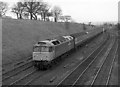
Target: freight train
{"x": 47, "y": 51}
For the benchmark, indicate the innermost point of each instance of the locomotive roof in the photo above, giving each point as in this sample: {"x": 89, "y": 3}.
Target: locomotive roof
{"x": 52, "y": 42}
{"x": 44, "y": 43}
{"x": 78, "y": 34}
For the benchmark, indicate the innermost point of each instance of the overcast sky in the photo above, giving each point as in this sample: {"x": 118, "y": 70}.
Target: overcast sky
{"x": 85, "y": 10}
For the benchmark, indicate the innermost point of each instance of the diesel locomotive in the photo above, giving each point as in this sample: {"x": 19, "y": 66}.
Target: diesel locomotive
{"x": 47, "y": 51}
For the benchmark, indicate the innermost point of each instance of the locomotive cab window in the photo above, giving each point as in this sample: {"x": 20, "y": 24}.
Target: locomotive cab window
{"x": 50, "y": 49}
{"x": 71, "y": 38}
{"x": 43, "y": 49}
{"x": 36, "y": 49}
{"x": 56, "y": 42}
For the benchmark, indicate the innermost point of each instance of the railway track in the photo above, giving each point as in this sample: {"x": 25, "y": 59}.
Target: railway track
{"x": 18, "y": 76}
{"x": 16, "y": 70}
{"x": 36, "y": 77}
{"x": 39, "y": 79}
{"x": 70, "y": 79}
{"x": 89, "y": 73}
{"x": 111, "y": 68}
{"x": 110, "y": 79}
{"x": 26, "y": 79}
{"x": 10, "y": 66}
{"x": 103, "y": 74}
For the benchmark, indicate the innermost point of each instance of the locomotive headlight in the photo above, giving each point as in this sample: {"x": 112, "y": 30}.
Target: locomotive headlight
{"x": 35, "y": 55}
{"x": 86, "y": 32}
{"x": 40, "y": 58}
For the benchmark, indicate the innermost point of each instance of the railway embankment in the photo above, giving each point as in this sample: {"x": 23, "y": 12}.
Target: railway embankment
{"x": 18, "y": 36}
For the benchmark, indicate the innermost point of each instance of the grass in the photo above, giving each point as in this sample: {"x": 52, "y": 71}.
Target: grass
{"x": 18, "y": 36}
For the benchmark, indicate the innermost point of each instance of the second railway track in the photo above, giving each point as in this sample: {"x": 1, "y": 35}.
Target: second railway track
{"x": 8, "y": 75}
{"x": 71, "y": 78}
{"x": 89, "y": 73}
{"x": 31, "y": 76}
{"x": 102, "y": 76}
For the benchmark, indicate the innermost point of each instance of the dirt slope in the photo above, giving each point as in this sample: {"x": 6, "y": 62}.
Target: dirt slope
{"x": 18, "y": 36}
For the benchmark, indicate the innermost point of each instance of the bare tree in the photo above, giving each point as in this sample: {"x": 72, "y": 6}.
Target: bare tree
{"x": 89, "y": 23}
{"x": 3, "y": 8}
{"x": 30, "y": 8}
{"x": 118, "y": 26}
{"x": 56, "y": 12}
{"x": 33, "y": 7}
{"x": 84, "y": 27}
{"x": 48, "y": 15}
{"x": 25, "y": 15}
{"x": 45, "y": 11}
{"x": 18, "y": 9}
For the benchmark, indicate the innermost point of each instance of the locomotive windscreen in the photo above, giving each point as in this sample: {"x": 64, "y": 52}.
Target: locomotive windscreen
{"x": 41, "y": 43}
{"x": 42, "y": 49}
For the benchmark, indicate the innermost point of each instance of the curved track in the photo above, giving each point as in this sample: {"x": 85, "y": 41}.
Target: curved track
{"x": 111, "y": 67}
{"x": 90, "y": 72}
{"x": 103, "y": 73}
{"x": 75, "y": 73}
{"x": 31, "y": 74}
{"x": 38, "y": 77}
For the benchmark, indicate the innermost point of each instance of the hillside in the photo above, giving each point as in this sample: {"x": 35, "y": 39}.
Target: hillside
{"x": 18, "y": 36}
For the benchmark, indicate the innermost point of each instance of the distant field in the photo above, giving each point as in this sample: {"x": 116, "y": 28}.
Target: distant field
{"x": 18, "y": 36}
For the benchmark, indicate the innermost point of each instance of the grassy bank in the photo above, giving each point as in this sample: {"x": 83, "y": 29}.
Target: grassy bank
{"x": 18, "y": 36}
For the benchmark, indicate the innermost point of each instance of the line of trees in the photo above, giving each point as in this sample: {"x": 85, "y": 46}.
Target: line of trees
{"x": 3, "y": 8}
{"x": 30, "y": 9}
{"x": 118, "y": 25}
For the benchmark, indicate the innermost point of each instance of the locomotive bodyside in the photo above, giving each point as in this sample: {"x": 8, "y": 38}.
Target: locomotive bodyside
{"x": 42, "y": 57}
{"x": 79, "y": 38}
{"x": 59, "y": 46}
{"x": 64, "y": 47}
{"x": 85, "y": 36}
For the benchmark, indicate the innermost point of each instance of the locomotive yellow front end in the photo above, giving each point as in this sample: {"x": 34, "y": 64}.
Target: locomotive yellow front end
{"x": 43, "y": 53}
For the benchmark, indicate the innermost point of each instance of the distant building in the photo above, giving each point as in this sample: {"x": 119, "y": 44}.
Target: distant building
{"x": 61, "y": 19}
{"x": 7, "y": 17}
{"x": 51, "y": 19}
{"x": 65, "y": 18}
